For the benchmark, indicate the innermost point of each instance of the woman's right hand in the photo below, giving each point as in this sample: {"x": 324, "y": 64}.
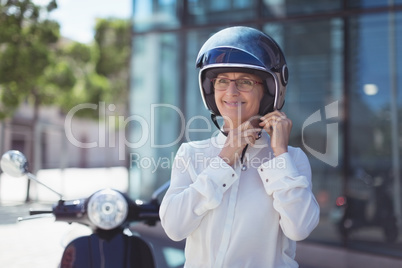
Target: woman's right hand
{"x": 237, "y": 139}
{"x": 278, "y": 127}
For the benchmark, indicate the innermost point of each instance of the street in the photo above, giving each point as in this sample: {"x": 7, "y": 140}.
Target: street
{"x": 39, "y": 243}
{"x": 35, "y": 243}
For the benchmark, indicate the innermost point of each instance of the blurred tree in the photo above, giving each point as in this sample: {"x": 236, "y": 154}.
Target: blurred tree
{"x": 25, "y": 39}
{"x": 39, "y": 67}
{"x": 113, "y": 39}
{"x": 26, "y": 42}
{"x": 90, "y": 87}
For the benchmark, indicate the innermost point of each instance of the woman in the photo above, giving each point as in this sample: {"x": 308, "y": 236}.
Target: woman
{"x": 242, "y": 198}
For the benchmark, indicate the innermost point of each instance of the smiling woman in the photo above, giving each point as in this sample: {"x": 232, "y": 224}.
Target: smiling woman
{"x": 243, "y": 78}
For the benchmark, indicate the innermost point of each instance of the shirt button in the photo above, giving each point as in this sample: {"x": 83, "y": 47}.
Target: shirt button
{"x": 266, "y": 180}
{"x": 232, "y": 175}
{"x": 261, "y": 169}
{"x": 224, "y": 185}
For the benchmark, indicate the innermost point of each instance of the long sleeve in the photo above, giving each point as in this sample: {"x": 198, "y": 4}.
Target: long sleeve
{"x": 239, "y": 217}
{"x": 191, "y": 195}
{"x": 288, "y": 179}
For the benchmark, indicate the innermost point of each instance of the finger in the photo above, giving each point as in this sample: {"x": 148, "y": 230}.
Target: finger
{"x": 267, "y": 126}
{"x": 239, "y": 138}
{"x": 276, "y": 117}
{"x": 249, "y": 124}
{"x": 269, "y": 121}
{"x": 284, "y": 122}
{"x": 245, "y": 126}
{"x": 252, "y": 133}
{"x": 270, "y": 118}
{"x": 274, "y": 113}
{"x": 264, "y": 122}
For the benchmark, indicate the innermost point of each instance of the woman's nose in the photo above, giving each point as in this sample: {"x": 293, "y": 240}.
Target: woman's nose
{"x": 232, "y": 89}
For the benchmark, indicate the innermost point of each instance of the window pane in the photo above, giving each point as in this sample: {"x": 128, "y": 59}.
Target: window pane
{"x": 280, "y": 8}
{"x": 374, "y": 170}
{"x": 197, "y": 116}
{"x": 162, "y": 14}
{"x": 368, "y": 3}
{"x": 154, "y": 106}
{"x": 212, "y": 11}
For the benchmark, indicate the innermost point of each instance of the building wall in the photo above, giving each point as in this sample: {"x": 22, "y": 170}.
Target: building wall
{"x": 344, "y": 97}
{"x": 60, "y": 143}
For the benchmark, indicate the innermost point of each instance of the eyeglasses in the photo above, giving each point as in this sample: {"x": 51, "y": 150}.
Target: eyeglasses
{"x": 244, "y": 85}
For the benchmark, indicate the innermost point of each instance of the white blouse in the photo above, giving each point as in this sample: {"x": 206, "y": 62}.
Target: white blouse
{"x": 239, "y": 218}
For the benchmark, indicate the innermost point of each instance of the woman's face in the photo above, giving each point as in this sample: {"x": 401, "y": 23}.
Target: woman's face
{"x": 238, "y": 106}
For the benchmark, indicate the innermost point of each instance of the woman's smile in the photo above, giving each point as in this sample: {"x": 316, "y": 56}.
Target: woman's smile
{"x": 238, "y": 106}
{"x": 234, "y": 104}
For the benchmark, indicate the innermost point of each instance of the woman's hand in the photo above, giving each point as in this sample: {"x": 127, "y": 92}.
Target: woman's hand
{"x": 278, "y": 126}
{"x": 236, "y": 140}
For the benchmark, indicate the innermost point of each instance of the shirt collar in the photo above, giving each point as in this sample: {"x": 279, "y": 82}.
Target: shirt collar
{"x": 262, "y": 142}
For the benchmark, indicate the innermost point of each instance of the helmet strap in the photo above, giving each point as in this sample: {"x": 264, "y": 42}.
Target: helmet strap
{"x": 213, "y": 118}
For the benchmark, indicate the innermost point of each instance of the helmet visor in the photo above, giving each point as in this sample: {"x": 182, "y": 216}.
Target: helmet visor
{"x": 227, "y": 55}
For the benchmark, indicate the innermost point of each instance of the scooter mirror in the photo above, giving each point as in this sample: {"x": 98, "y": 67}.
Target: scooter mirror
{"x": 160, "y": 190}
{"x": 14, "y": 163}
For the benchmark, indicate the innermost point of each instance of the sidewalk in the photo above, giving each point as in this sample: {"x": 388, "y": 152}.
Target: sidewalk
{"x": 316, "y": 255}
{"x": 36, "y": 243}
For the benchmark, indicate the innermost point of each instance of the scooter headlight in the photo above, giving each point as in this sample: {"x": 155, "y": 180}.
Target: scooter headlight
{"x": 107, "y": 209}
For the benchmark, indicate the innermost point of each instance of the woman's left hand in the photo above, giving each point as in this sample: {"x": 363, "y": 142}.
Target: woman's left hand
{"x": 278, "y": 126}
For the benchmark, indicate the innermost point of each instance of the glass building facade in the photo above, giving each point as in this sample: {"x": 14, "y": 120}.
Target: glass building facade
{"x": 344, "y": 98}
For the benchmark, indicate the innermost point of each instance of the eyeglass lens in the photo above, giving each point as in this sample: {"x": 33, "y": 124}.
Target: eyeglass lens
{"x": 241, "y": 84}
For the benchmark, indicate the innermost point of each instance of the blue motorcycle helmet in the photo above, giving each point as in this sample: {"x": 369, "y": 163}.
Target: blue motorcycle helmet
{"x": 247, "y": 50}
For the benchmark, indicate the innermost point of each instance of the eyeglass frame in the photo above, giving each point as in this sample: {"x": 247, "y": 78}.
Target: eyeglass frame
{"x": 234, "y": 80}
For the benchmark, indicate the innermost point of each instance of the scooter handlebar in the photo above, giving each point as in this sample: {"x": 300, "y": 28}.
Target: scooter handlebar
{"x": 147, "y": 213}
{"x": 33, "y": 212}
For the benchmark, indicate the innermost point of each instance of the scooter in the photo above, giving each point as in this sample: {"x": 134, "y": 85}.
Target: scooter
{"x": 373, "y": 210}
{"x": 107, "y": 212}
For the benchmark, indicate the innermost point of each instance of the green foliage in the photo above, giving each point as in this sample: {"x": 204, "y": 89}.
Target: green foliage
{"x": 78, "y": 52}
{"x": 60, "y": 75}
{"x": 51, "y": 6}
{"x": 56, "y": 83}
{"x": 37, "y": 66}
{"x": 113, "y": 38}
{"x": 10, "y": 99}
{"x": 89, "y": 87}
{"x": 25, "y": 42}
